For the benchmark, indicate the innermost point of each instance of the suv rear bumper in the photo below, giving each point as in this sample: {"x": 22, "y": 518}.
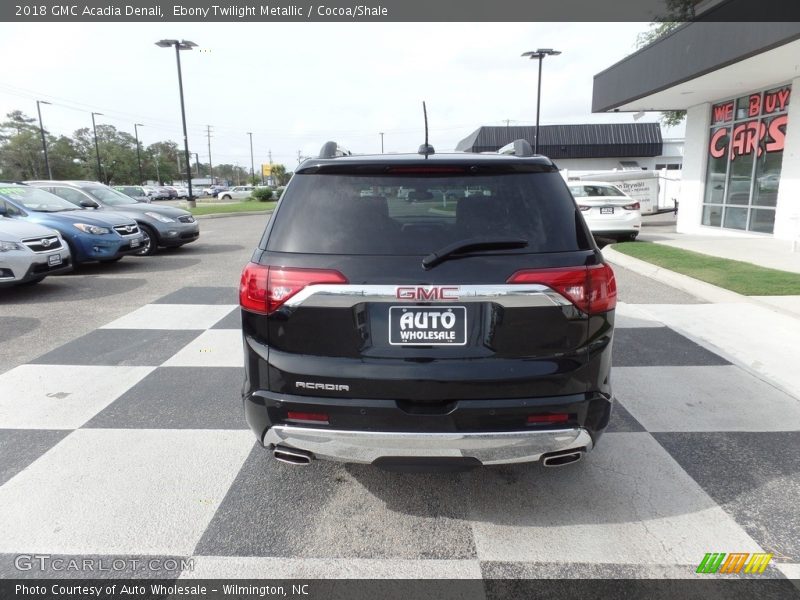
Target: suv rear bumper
{"x": 487, "y": 448}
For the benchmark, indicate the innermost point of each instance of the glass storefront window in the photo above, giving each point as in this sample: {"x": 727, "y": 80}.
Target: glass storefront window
{"x": 745, "y": 155}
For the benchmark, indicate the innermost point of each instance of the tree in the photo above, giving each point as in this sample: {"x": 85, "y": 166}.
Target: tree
{"x": 21, "y": 155}
{"x": 678, "y": 12}
{"x": 280, "y": 175}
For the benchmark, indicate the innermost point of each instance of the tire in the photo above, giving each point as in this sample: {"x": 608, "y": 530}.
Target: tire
{"x": 628, "y": 237}
{"x": 226, "y": 197}
{"x": 150, "y": 245}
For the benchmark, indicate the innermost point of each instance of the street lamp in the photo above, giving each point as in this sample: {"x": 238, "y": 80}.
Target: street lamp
{"x": 96, "y": 147}
{"x": 138, "y": 155}
{"x": 252, "y": 166}
{"x": 44, "y": 141}
{"x": 182, "y": 45}
{"x": 539, "y": 55}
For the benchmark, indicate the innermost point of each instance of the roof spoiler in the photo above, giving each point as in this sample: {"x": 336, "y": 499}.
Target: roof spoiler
{"x": 333, "y": 150}
{"x": 517, "y": 148}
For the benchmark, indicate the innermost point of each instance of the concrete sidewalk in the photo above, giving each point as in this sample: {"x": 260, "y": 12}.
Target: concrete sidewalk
{"x": 760, "y": 334}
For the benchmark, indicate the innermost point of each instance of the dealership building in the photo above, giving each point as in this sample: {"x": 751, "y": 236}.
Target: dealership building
{"x": 741, "y": 155}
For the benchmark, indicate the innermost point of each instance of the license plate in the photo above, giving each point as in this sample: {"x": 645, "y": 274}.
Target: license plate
{"x": 427, "y": 325}
{"x": 135, "y": 243}
{"x": 54, "y": 259}
{"x": 606, "y": 210}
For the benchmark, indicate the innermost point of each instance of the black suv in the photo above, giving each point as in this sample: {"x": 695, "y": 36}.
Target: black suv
{"x": 427, "y": 311}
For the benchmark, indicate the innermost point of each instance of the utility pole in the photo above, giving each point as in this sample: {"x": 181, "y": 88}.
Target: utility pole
{"x": 96, "y": 147}
{"x": 138, "y": 156}
{"x": 381, "y": 134}
{"x": 44, "y": 141}
{"x": 158, "y": 171}
{"x": 299, "y": 157}
{"x": 210, "y": 165}
{"x": 270, "y": 168}
{"x": 252, "y": 166}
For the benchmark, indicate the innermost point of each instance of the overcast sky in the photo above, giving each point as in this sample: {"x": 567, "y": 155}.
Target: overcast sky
{"x": 297, "y": 85}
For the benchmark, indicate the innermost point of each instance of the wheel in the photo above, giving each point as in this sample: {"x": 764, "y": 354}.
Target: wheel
{"x": 226, "y": 197}
{"x": 150, "y": 243}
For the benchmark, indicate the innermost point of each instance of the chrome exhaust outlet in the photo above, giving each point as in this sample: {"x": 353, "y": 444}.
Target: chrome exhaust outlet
{"x": 562, "y": 459}
{"x": 292, "y": 455}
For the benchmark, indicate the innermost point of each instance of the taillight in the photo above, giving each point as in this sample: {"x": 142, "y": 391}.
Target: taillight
{"x": 551, "y": 418}
{"x": 583, "y": 207}
{"x": 592, "y": 289}
{"x": 634, "y": 206}
{"x": 263, "y": 289}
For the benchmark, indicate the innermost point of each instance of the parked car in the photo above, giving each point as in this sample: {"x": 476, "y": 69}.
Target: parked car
{"x": 182, "y": 191}
{"x": 136, "y": 192}
{"x": 91, "y": 236}
{"x": 157, "y": 193}
{"x": 166, "y": 226}
{"x": 608, "y": 211}
{"x": 170, "y": 191}
{"x": 29, "y": 252}
{"x": 213, "y": 190}
{"x": 410, "y": 337}
{"x": 237, "y": 192}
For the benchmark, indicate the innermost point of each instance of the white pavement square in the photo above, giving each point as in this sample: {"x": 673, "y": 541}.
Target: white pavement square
{"x": 172, "y": 316}
{"x": 212, "y": 348}
{"x": 61, "y": 396}
{"x": 629, "y": 502}
{"x": 630, "y": 315}
{"x": 117, "y": 491}
{"x": 250, "y": 567}
{"x": 719, "y": 398}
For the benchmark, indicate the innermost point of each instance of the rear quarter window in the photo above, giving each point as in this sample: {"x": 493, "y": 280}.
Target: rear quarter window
{"x": 412, "y": 215}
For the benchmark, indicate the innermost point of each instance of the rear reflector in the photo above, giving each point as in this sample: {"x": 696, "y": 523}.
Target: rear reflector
{"x": 307, "y": 417}
{"x": 554, "y": 418}
{"x": 634, "y": 206}
{"x": 264, "y": 289}
{"x": 592, "y": 289}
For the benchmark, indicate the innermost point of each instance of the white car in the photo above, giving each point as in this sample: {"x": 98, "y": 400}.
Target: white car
{"x": 607, "y": 210}
{"x": 30, "y": 252}
{"x": 238, "y": 192}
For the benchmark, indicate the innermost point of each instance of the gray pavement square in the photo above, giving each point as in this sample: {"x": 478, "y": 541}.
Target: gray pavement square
{"x": 20, "y": 447}
{"x": 233, "y": 320}
{"x": 201, "y": 295}
{"x": 327, "y": 510}
{"x": 179, "y": 398}
{"x": 659, "y": 346}
{"x": 753, "y": 476}
{"x": 124, "y": 347}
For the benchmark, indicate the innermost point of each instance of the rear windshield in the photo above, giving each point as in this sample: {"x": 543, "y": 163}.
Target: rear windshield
{"x": 594, "y": 190}
{"x": 404, "y": 215}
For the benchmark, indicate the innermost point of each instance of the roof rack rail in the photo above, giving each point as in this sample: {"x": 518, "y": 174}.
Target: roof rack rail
{"x": 333, "y": 150}
{"x": 517, "y": 148}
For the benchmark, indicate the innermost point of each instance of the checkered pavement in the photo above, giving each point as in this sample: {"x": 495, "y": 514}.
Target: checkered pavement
{"x": 130, "y": 442}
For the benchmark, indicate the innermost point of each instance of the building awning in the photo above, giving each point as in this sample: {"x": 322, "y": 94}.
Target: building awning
{"x": 603, "y": 140}
{"x": 700, "y": 62}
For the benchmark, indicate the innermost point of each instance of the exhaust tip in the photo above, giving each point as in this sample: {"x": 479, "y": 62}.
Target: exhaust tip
{"x": 292, "y": 456}
{"x": 563, "y": 459}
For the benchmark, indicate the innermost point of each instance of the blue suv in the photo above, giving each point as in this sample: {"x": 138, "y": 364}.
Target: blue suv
{"x": 103, "y": 238}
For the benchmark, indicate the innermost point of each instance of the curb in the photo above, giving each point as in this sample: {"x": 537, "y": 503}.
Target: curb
{"x": 705, "y": 291}
{"x": 234, "y": 214}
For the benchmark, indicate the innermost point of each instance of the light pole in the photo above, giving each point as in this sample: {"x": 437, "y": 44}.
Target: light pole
{"x": 539, "y": 55}
{"x": 138, "y": 155}
{"x": 182, "y": 45}
{"x": 381, "y": 134}
{"x": 96, "y": 147}
{"x": 252, "y": 166}
{"x": 44, "y": 141}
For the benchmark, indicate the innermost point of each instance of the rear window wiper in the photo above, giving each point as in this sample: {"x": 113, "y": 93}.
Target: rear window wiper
{"x": 471, "y": 245}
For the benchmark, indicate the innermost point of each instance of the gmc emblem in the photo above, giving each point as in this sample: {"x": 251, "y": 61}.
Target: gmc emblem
{"x": 427, "y": 293}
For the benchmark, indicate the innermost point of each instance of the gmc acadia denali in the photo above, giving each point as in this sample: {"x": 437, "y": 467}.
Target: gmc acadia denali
{"x": 427, "y": 312}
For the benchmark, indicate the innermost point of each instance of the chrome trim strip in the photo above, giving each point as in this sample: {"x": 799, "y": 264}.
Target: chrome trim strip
{"x": 489, "y": 448}
{"x": 346, "y": 296}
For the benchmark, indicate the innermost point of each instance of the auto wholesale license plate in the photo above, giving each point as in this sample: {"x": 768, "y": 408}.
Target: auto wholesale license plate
{"x": 54, "y": 260}
{"x": 427, "y": 325}
{"x": 606, "y": 210}
{"x": 135, "y": 243}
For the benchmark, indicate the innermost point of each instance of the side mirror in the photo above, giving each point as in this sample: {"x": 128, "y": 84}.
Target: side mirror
{"x": 89, "y": 204}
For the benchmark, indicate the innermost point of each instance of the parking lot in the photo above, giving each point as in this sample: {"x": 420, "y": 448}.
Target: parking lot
{"x": 123, "y": 437}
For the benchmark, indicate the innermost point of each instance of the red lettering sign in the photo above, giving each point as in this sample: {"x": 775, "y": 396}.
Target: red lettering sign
{"x": 752, "y": 136}
{"x": 723, "y": 112}
{"x": 776, "y": 101}
{"x": 717, "y": 148}
{"x": 777, "y": 133}
{"x": 754, "y": 107}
